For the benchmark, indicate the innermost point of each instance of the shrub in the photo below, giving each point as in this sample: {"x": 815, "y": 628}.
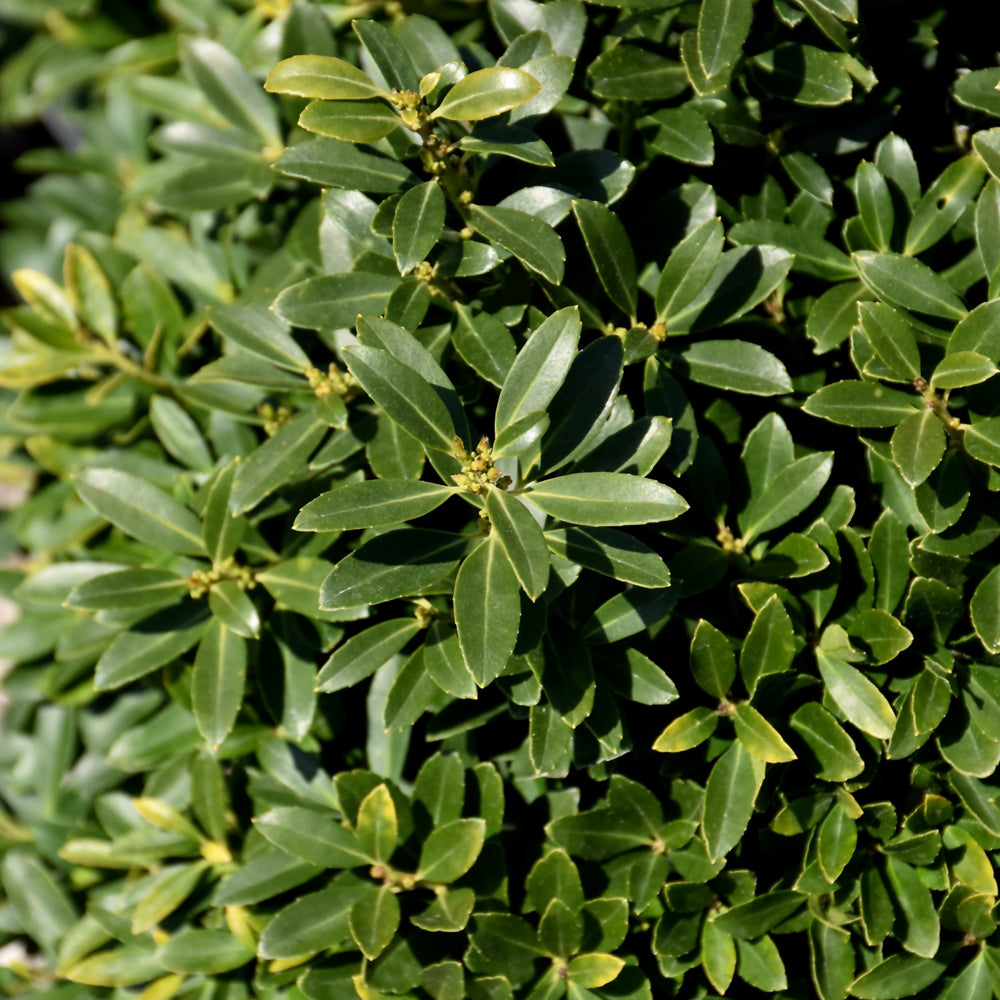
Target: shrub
{"x": 510, "y": 501}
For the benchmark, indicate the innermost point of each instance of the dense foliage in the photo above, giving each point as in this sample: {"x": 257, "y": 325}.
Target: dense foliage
{"x": 511, "y": 501}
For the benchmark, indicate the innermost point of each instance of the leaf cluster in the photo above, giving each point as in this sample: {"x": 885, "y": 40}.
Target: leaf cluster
{"x": 505, "y": 501}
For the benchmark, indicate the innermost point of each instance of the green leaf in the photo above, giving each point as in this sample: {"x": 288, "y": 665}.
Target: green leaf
{"x": 982, "y": 440}
{"x": 445, "y": 664}
{"x": 713, "y": 665}
{"x": 813, "y": 254}
{"x": 521, "y": 539}
{"x": 140, "y": 510}
{"x": 486, "y": 345}
{"x": 40, "y": 903}
{"x": 610, "y": 252}
{"x": 487, "y": 610}
{"x": 154, "y": 642}
{"x": 417, "y": 224}
{"x": 405, "y": 395}
{"x": 91, "y": 292}
{"x": 451, "y": 850}
{"x": 769, "y": 647}
{"x": 962, "y": 368}
{"x": 583, "y": 403}
{"x": 804, "y": 74}
{"x": 486, "y": 93}
{"x": 837, "y": 840}
{"x": 732, "y": 787}
{"x": 388, "y": 53}
{"x": 860, "y": 404}
{"x": 687, "y": 731}
{"x": 943, "y": 203}
{"x": 878, "y": 216}
{"x": 630, "y": 73}
{"x": 984, "y": 610}
{"x": 374, "y": 920}
{"x": 920, "y": 932}
{"x": 611, "y": 553}
{"x": 323, "y": 77}
{"x": 723, "y": 26}
{"x": 337, "y": 164}
{"x": 892, "y": 339}
{"x": 533, "y": 242}
{"x": 683, "y": 134}
{"x": 312, "y": 836}
{"x": 733, "y": 364}
{"x": 129, "y": 588}
{"x": 860, "y": 701}
{"x": 560, "y": 929}
{"x": 718, "y": 956}
{"x": 396, "y": 564}
{"x": 217, "y": 682}
{"x": 509, "y": 140}
{"x": 206, "y": 952}
{"x": 179, "y": 433}
{"x": 908, "y": 283}
{"x": 352, "y": 121}
{"x": 638, "y": 678}
{"x": 229, "y": 602}
{"x": 331, "y": 301}
{"x": 978, "y": 332}
{"x": 786, "y": 495}
{"x": 757, "y": 916}
{"x": 264, "y": 877}
{"x": 313, "y": 922}
{"x": 175, "y": 885}
{"x": 688, "y": 269}
{"x": 595, "y": 969}
{"x": 743, "y": 278}
{"x": 606, "y": 499}
{"x": 918, "y": 445}
{"x": 371, "y": 504}
{"x": 275, "y": 462}
{"x": 898, "y": 976}
{"x": 235, "y": 94}
{"x": 883, "y": 636}
{"x": 539, "y": 369}
{"x": 759, "y": 737}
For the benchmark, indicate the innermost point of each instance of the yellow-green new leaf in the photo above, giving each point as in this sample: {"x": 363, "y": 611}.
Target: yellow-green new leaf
{"x": 486, "y": 93}
{"x": 324, "y": 77}
{"x": 377, "y": 828}
{"x": 352, "y": 121}
{"x": 91, "y": 291}
{"x": 759, "y": 737}
{"x": 860, "y": 701}
{"x": 687, "y": 731}
{"x": 594, "y": 969}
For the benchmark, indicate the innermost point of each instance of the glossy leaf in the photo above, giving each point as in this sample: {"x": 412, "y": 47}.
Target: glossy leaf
{"x": 606, "y": 499}
{"x": 371, "y": 504}
{"x": 319, "y": 76}
{"x": 486, "y": 93}
{"x": 417, "y": 224}
{"x": 141, "y": 510}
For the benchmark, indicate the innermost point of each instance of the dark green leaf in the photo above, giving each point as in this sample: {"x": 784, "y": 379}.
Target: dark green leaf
{"x": 396, "y": 564}
{"x": 534, "y": 243}
{"x": 141, "y": 510}
{"x": 610, "y": 252}
{"x": 370, "y": 504}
